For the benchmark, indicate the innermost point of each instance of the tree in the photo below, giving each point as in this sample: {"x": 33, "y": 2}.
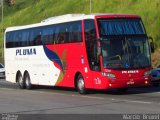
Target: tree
{"x": 10, "y": 2}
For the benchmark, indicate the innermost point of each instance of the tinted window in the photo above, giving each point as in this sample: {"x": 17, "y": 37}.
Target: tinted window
{"x": 25, "y": 38}
{"x": 9, "y": 40}
{"x": 75, "y": 34}
{"x": 90, "y": 31}
{"x": 48, "y": 35}
{"x": 35, "y": 36}
{"x": 120, "y": 27}
{"x": 59, "y": 33}
{"x": 62, "y": 33}
{"x": 91, "y": 44}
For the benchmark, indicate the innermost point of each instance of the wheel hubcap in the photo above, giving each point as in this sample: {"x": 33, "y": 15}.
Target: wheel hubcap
{"x": 27, "y": 81}
{"x": 20, "y": 81}
{"x": 81, "y": 84}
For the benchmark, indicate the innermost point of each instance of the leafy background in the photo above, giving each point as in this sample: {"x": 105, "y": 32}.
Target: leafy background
{"x": 32, "y": 11}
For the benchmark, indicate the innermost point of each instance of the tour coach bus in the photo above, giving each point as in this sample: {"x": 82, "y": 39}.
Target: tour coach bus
{"x": 101, "y": 51}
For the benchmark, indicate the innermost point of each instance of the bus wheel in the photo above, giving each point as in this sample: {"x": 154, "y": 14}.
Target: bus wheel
{"x": 20, "y": 81}
{"x": 81, "y": 85}
{"x": 27, "y": 81}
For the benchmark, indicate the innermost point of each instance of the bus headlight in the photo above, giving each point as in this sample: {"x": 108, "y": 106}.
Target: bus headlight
{"x": 109, "y": 75}
{"x": 147, "y": 73}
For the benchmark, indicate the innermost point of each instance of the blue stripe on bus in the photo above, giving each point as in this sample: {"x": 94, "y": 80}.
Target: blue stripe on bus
{"x": 52, "y": 56}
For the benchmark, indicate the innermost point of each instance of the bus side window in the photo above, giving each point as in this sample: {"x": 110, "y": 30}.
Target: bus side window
{"x": 17, "y": 39}
{"x": 62, "y": 31}
{"x": 35, "y": 36}
{"x": 25, "y": 38}
{"x": 47, "y": 35}
{"x": 61, "y": 34}
{"x": 75, "y": 32}
{"x": 61, "y": 37}
{"x": 10, "y": 40}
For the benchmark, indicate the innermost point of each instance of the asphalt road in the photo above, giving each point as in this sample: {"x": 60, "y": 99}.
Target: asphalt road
{"x": 44, "y": 100}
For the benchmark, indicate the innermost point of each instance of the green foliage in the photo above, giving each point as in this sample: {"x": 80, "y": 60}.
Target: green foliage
{"x": 10, "y": 2}
{"x": 33, "y": 11}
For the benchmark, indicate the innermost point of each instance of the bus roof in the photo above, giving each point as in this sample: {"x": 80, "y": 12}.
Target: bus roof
{"x": 69, "y": 18}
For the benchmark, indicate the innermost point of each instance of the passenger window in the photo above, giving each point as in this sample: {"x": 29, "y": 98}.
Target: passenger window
{"x": 75, "y": 32}
{"x": 90, "y": 31}
{"x": 35, "y": 36}
{"x": 48, "y": 35}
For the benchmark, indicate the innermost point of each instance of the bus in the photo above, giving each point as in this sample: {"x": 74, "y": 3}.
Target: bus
{"x": 97, "y": 51}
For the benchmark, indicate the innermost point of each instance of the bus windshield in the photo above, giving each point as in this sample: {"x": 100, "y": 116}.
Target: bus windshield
{"x": 124, "y": 43}
{"x": 125, "y": 52}
{"x": 120, "y": 27}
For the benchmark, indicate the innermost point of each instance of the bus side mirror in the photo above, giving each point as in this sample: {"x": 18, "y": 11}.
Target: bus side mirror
{"x": 152, "y": 47}
{"x": 151, "y": 44}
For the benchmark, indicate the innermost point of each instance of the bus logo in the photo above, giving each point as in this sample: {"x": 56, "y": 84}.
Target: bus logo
{"x": 31, "y": 51}
{"x": 130, "y": 71}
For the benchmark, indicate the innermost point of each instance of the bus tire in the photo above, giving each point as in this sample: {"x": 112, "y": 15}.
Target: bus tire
{"x": 81, "y": 85}
{"x": 27, "y": 81}
{"x": 20, "y": 81}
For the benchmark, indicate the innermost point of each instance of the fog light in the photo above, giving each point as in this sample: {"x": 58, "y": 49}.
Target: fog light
{"x": 110, "y": 85}
{"x": 146, "y": 82}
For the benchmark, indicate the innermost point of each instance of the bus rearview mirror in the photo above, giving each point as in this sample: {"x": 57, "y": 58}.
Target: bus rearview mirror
{"x": 151, "y": 44}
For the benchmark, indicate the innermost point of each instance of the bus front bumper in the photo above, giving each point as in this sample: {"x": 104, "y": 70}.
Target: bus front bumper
{"x": 126, "y": 83}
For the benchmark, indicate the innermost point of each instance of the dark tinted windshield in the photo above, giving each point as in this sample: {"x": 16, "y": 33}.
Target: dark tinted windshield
{"x": 120, "y": 27}
{"x": 125, "y": 52}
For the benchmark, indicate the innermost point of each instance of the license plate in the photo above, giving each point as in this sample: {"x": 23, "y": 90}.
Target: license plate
{"x": 130, "y": 82}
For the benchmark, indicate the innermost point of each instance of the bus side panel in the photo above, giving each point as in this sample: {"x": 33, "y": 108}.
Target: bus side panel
{"x": 42, "y": 68}
{"x": 73, "y": 60}
{"x": 47, "y": 65}
{"x": 11, "y": 66}
{"x": 33, "y": 60}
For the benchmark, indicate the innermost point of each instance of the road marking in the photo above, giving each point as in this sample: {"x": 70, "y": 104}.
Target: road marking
{"x": 90, "y": 97}
{"x": 144, "y": 102}
{"x": 84, "y": 96}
